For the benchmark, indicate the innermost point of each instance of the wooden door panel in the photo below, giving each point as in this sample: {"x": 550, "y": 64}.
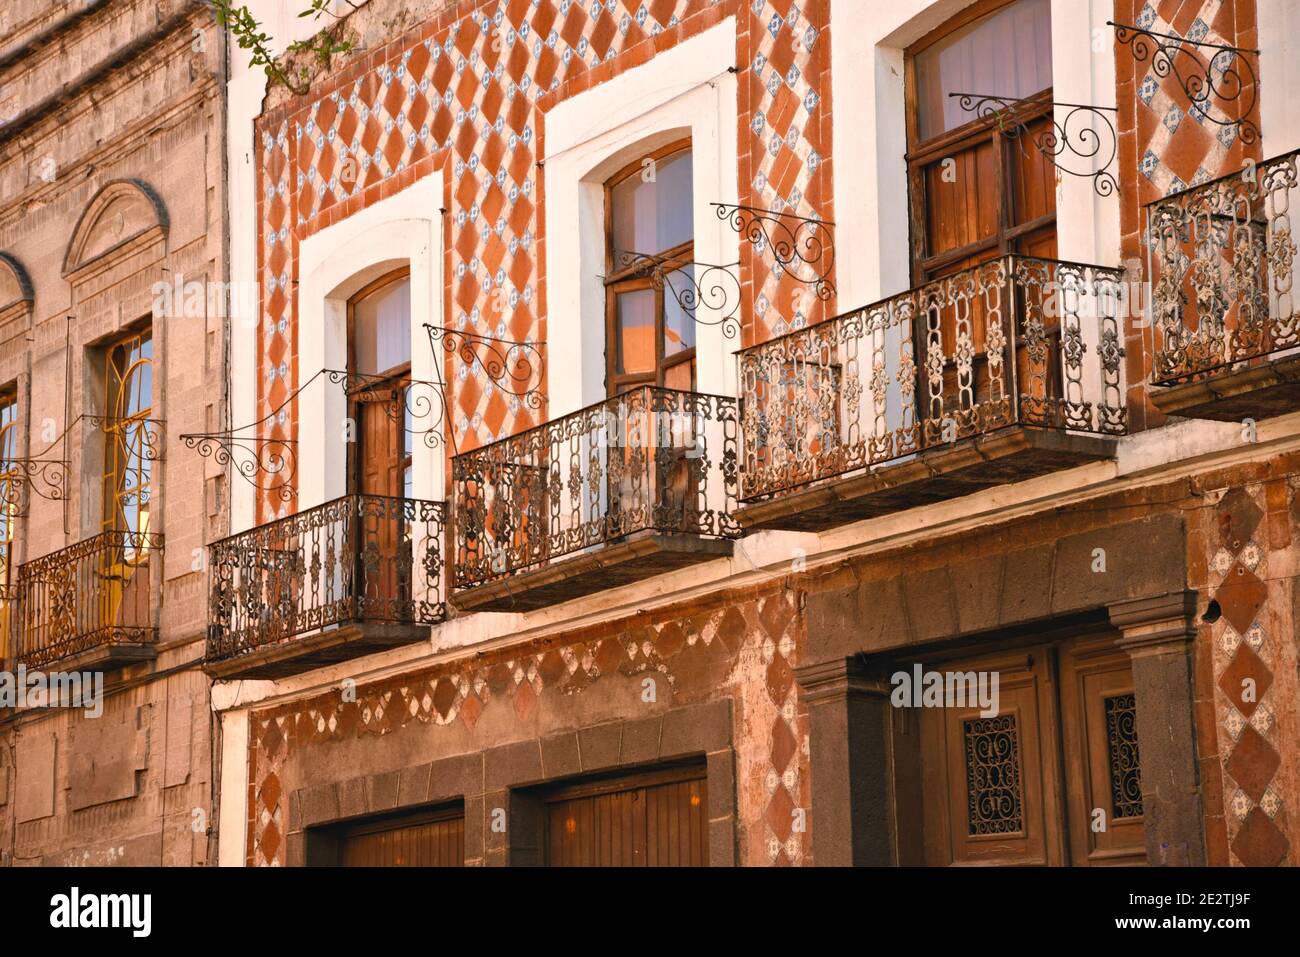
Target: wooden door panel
{"x": 961, "y": 198}
{"x": 1098, "y": 708}
{"x": 643, "y": 824}
{"x": 1033, "y": 177}
{"x": 380, "y": 472}
{"x": 991, "y": 782}
{"x": 439, "y": 842}
{"x": 380, "y": 449}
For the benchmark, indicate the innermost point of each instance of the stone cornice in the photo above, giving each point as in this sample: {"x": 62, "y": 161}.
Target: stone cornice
{"x": 839, "y": 678}
{"x": 1161, "y": 624}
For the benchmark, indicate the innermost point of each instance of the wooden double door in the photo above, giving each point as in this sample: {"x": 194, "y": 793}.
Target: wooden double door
{"x": 1053, "y": 778}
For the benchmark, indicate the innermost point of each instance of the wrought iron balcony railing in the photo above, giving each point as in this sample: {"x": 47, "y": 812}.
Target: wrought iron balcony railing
{"x": 92, "y": 595}
{"x": 1015, "y": 341}
{"x": 1222, "y": 265}
{"x": 649, "y": 460}
{"x": 360, "y": 559}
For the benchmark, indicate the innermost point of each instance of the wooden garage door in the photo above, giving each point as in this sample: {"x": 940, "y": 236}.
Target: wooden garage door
{"x": 435, "y": 839}
{"x": 655, "y": 819}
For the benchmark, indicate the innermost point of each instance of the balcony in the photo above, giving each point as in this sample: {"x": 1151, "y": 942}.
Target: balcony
{"x": 628, "y": 488}
{"x": 1000, "y": 372}
{"x": 356, "y": 575}
{"x": 89, "y": 607}
{"x": 1222, "y": 265}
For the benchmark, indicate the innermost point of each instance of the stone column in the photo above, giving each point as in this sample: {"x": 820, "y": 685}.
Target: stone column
{"x": 1158, "y": 634}
{"x": 852, "y": 809}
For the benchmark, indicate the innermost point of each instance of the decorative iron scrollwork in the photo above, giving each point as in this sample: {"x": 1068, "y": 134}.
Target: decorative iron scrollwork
{"x": 515, "y": 367}
{"x": 692, "y": 285}
{"x": 958, "y": 357}
{"x": 416, "y": 405}
{"x": 1084, "y": 132}
{"x": 1225, "y": 76}
{"x": 144, "y": 435}
{"x": 803, "y": 248}
{"x": 49, "y": 477}
{"x": 648, "y": 458}
{"x": 270, "y": 464}
{"x": 369, "y": 558}
{"x": 1122, "y": 753}
{"x": 254, "y": 459}
{"x": 995, "y": 804}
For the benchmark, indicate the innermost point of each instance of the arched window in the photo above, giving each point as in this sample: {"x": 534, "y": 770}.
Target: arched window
{"x": 977, "y": 192}
{"x": 649, "y": 228}
{"x": 379, "y": 356}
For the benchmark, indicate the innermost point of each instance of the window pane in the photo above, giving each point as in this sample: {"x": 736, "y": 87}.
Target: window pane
{"x": 636, "y": 332}
{"x": 679, "y": 325}
{"x": 650, "y": 217}
{"x": 1007, "y": 53}
{"x": 128, "y": 456}
{"x": 8, "y": 494}
{"x": 382, "y": 328}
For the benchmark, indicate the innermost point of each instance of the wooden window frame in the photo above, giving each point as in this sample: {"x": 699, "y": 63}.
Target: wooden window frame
{"x": 11, "y": 476}
{"x": 924, "y": 266}
{"x": 634, "y": 278}
{"x": 114, "y": 472}
{"x": 360, "y": 394}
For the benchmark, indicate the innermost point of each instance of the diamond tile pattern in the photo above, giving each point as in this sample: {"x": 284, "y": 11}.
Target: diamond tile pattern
{"x": 1244, "y": 673}
{"x": 1180, "y": 146}
{"x": 731, "y": 651}
{"x": 465, "y": 97}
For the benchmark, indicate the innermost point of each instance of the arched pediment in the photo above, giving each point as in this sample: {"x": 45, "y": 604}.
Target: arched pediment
{"x": 120, "y": 212}
{"x": 15, "y": 284}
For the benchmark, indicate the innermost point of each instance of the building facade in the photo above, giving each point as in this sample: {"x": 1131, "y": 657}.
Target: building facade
{"x": 557, "y": 548}
{"x": 620, "y": 462}
{"x": 112, "y": 192}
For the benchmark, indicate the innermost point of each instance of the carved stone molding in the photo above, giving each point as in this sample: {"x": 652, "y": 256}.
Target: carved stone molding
{"x": 1162, "y": 624}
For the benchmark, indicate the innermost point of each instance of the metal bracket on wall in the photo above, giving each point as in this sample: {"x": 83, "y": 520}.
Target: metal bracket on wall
{"x": 802, "y": 248}
{"x": 1224, "y": 76}
{"x": 1085, "y": 132}
{"x": 49, "y": 477}
{"x": 270, "y": 463}
{"x": 692, "y": 284}
{"x": 516, "y": 367}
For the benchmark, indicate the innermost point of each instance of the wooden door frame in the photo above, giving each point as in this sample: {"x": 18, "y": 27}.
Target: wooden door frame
{"x": 388, "y": 377}
{"x": 633, "y": 277}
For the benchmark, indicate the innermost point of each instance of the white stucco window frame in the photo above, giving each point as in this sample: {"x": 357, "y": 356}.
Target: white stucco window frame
{"x": 870, "y": 170}
{"x": 686, "y": 91}
{"x": 335, "y": 264}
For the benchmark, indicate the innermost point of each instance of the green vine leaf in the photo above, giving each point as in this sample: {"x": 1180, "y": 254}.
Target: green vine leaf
{"x": 247, "y": 32}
